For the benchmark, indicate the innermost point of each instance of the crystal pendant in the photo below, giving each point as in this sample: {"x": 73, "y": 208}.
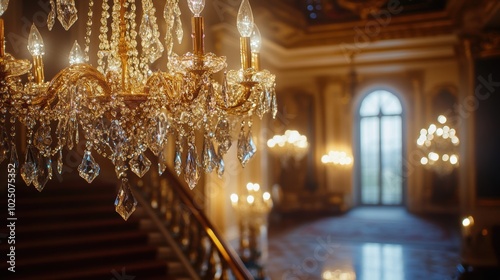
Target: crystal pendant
{"x": 162, "y": 162}
{"x": 60, "y": 162}
{"x": 191, "y": 170}
{"x": 88, "y": 169}
{"x": 3, "y": 6}
{"x": 209, "y": 161}
{"x": 120, "y": 168}
{"x": 220, "y": 167}
{"x": 179, "y": 32}
{"x": 246, "y": 147}
{"x": 4, "y": 145}
{"x": 223, "y": 137}
{"x": 51, "y": 17}
{"x": 29, "y": 169}
{"x": 76, "y": 54}
{"x": 66, "y": 13}
{"x": 177, "y": 159}
{"x": 14, "y": 159}
{"x": 274, "y": 106}
{"x": 44, "y": 173}
{"x": 125, "y": 202}
{"x": 140, "y": 165}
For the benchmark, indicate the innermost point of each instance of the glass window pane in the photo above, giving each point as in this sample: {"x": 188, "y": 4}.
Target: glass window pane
{"x": 389, "y": 103}
{"x": 391, "y": 140}
{"x": 369, "y": 160}
{"x": 370, "y": 105}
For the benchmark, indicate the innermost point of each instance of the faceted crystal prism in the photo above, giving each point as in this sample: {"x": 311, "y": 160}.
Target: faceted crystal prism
{"x": 140, "y": 164}
{"x": 220, "y": 167}
{"x": 60, "y": 162}
{"x": 30, "y": 167}
{"x": 191, "y": 170}
{"x": 125, "y": 202}
{"x": 44, "y": 173}
{"x": 246, "y": 147}
{"x": 66, "y": 13}
{"x": 88, "y": 169}
{"x": 43, "y": 139}
{"x": 223, "y": 136}
{"x": 209, "y": 156}
{"x": 177, "y": 159}
{"x": 162, "y": 162}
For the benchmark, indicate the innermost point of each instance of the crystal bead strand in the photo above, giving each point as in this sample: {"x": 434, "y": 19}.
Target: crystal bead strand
{"x": 103, "y": 37}
{"x": 88, "y": 32}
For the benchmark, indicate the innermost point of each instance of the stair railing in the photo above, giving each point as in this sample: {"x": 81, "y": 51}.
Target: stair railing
{"x": 202, "y": 246}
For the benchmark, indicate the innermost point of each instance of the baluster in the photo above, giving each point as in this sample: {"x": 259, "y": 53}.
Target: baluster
{"x": 186, "y": 219}
{"x": 163, "y": 196}
{"x": 169, "y": 203}
{"x": 195, "y": 232}
{"x": 214, "y": 269}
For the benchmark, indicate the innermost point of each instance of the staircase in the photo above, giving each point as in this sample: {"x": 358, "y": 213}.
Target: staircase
{"x": 71, "y": 231}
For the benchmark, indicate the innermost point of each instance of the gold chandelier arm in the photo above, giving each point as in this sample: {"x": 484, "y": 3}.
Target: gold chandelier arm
{"x": 70, "y": 76}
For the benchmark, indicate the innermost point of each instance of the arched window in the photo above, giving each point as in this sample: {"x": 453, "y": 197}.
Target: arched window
{"x": 380, "y": 147}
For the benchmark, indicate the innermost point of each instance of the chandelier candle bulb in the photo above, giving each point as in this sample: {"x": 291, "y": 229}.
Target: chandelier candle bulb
{"x": 255, "y": 45}
{"x": 37, "y": 49}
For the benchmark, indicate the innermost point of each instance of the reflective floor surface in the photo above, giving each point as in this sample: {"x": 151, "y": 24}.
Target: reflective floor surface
{"x": 367, "y": 243}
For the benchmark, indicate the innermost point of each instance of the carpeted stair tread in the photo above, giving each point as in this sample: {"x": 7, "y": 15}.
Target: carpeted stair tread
{"x": 138, "y": 269}
{"x": 86, "y": 241}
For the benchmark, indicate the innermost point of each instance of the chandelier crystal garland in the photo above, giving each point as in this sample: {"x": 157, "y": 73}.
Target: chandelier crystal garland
{"x": 121, "y": 108}
{"x": 439, "y": 144}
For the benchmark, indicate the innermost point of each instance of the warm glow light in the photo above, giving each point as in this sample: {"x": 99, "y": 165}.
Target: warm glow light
{"x": 35, "y": 42}
{"x": 433, "y": 156}
{"x": 244, "y": 19}
{"x": 255, "y": 40}
{"x": 453, "y": 159}
{"x": 266, "y": 196}
{"x": 250, "y": 186}
{"x": 469, "y": 221}
{"x": 250, "y": 199}
{"x": 432, "y": 129}
{"x": 424, "y": 161}
{"x": 234, "y": 198}
{"x": 441, "y": 119}
{"x": 196, "y": 6}
{"x": 337, "y": 157}
{"x": 445, "y": 157}
{"x": 256, "y": 187}
{"x": 76, "y": 55}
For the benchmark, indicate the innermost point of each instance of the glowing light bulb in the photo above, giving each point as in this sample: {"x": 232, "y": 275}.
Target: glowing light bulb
{"x": 255, "y": 40}
{"x": 244, "y": 19}
{"x": 35, "y": 42}
{"x": 76, "y": 55}
{"x": 266, "y": 196}
{"x": 441, "y": 119}
{"x": 234, "y": 198}
{"x": 250, "y": 186}
{"x": 196, "y": 6}
{"x": 250, "y": 199}
{"x": 3, "y": 6}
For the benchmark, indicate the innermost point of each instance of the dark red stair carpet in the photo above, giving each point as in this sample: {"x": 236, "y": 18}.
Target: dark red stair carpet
{"x": 71, "y": 231}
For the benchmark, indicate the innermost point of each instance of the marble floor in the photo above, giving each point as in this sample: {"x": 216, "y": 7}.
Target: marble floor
{"x": 367, "y": 243}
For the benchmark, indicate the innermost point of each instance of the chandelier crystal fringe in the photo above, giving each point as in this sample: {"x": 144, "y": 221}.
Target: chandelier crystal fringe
{"x": 121, "y": 108}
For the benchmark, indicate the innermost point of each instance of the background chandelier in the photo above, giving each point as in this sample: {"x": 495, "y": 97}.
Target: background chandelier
{"x": 289, "y": 145}
{"x": 439, "y": 143}
{"x": 121, "y": 108}
{"x": 336, "y": 158}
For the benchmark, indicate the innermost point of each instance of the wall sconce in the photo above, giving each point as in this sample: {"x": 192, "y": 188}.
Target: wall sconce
{"x": 337, "y": 158}
{"x": 289, "y": 145}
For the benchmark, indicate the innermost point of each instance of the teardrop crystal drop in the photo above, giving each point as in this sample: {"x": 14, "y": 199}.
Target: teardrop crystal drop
{"x": 140, "y": 164}
{"x": 67, "y": 13}
{"x": 274, "y": 106}
{"x": 4, "y": 144}
{"x": 246, "y": 146}
{"x": 220, "y": 167}
{"x": 43, "y": 139}
{"x": 14, "y": 159}
{"x": 29, "y": 169}
{"x": 162, "y": 162}
{"x": 191, "y": 170}
{"x": 223, "y": 137}
{"x": 44, "y": 173}
{"x": 125, "y": 202}
{"x": 88, "y": 169}
{"x": 209, "y": 162}
{"x": 178, "y": 159}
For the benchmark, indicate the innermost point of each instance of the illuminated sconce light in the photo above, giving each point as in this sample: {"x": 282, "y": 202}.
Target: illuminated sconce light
{"x": 337, "y": 158}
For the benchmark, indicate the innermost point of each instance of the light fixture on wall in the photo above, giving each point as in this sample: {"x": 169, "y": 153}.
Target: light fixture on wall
{"x": 121, "y": 108}
{"x": 439, "y": 144}
{"x": 291, "y": 145}
{"x": 337, "y": 158}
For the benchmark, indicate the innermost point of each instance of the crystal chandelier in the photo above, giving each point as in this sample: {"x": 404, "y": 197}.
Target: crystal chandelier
{"x": 289, "y": 145}
{"x": 120, "y": 108}
{"x": 439, "y": 144}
